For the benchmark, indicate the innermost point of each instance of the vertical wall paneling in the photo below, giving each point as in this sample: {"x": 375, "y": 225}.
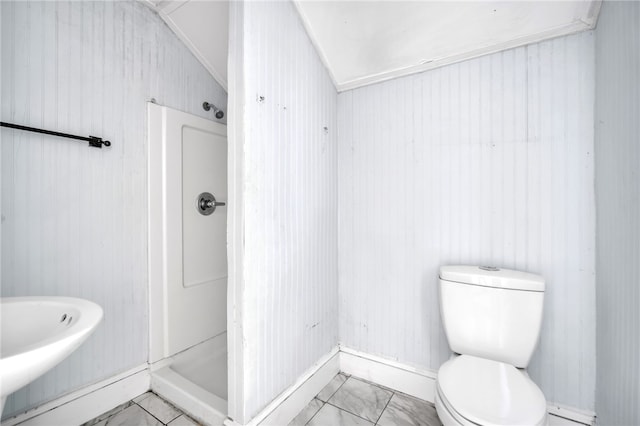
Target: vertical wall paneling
{"x": 618, "y": 211}
{"x": 290, "y": 317}
{"x": 73, "y": 217}
{"x": 488, "y": 161}
{"x": 235, "y": 214}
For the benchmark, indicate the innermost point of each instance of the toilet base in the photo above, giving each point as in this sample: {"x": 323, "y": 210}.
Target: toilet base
{"x": 446, "y": 416}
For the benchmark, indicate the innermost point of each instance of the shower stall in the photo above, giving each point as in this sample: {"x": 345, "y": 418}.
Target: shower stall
{"x": 188, "y": 261}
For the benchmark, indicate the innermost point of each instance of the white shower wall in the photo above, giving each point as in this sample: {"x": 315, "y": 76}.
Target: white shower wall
{"x": 290, "y": 310}
{"x": 74, "y": 218}
{"x": 488, "y": 161}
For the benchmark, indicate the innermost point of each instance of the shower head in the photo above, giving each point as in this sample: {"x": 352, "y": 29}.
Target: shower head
{"x": 218, "y": 112}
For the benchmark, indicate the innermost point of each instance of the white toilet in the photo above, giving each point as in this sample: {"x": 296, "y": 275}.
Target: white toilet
{"x": 492, "y": 320}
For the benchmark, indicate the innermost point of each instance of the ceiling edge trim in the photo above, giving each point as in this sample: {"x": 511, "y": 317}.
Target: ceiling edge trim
{"x": 169, "y": 6}
{"x": 308, "y": 29}
{"x": 593, "y": 14}
{"x": 572, "y": 28}
{"x": 192, "y": 48}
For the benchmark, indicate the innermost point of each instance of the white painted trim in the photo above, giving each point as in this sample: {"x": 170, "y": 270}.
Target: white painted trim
{"x": 592, "y": 16}
{"x": 155, "y": 252}
{"x": 169, "y": 6}
{"x": 307, "y": 26}
{"x": 290, "y": 402}
{"x": 572, "y": 28}
{"x": 89, "y": 402}
{"x": 561, "y": 412}
{"x": 403, "y": 378}
{"x": 420, "y": 383}
{"x": 553, "y": 420}
{"x": 294, "y": 399}
{"x": 235, "y": 214}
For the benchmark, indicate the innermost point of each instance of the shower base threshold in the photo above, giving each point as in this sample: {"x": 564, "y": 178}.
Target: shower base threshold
{"x": 195, "y": 380}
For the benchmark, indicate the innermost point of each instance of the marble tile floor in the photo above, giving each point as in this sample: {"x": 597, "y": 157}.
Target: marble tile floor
{"x": 147, "y": 409}
{"x": 349, "y": 401}
{"x": 345, "y": 401}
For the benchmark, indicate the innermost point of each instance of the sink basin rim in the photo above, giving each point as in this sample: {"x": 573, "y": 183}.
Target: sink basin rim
{"x": 90, "y": 315}
{"x": 23, "y": 364}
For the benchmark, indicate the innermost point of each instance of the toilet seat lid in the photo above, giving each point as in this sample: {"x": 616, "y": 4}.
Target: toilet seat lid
{"x": 490, "y": 392}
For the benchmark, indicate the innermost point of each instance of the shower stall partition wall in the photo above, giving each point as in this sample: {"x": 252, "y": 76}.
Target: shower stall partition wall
{"x": 188, "y": 261}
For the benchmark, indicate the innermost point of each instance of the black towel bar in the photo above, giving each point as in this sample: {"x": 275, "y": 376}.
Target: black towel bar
{"x": 94, "y": 141}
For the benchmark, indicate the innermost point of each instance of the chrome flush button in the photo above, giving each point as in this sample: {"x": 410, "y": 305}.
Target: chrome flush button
{"x": 489, "y": 268}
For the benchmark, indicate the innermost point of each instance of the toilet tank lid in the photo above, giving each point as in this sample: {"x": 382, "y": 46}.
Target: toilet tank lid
{"x": 488, "y": 276}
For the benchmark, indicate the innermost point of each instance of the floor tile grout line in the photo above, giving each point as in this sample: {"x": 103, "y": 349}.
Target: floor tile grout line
{"x": 151, "y": 414}
{"x": 334, "y": 392}
{"x": 370, "y": 384}
{"x": 127, "y": 405}
{"x": 155, "y": 417}
{"x": 316, "y": 413}
{"x": 347, "y": 411}
{"x": 385, "y": 407}
{"x": 377, "y": 385}
{"x": 330, "y": 396}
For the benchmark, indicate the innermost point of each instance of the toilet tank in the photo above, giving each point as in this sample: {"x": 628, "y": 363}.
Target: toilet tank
{"x": 491, "y": 313}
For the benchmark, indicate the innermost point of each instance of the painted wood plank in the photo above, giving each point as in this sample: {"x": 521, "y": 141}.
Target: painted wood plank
{"x": 493, "y": 167}
{"x": 74, "y": 218}
{"x": 290, "y": 204}
{"x": 617, "y": 155}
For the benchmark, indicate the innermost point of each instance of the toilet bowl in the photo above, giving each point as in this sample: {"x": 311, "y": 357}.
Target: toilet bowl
{"x": 477, "y": 391}
{"x": 492, "y": 321}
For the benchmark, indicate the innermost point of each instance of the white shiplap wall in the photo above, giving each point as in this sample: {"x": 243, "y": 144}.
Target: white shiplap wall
{"x": 618, "y": 211}
{"x": 488, "y": 161}
{"x": 74, "y": 218}
{"x": 290, "y": 203}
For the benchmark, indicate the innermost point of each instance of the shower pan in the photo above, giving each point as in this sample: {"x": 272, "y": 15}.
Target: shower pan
{"x": 188, "y": 261}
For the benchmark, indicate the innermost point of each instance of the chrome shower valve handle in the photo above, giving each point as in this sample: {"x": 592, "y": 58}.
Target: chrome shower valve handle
{"x": 206, "y": 203}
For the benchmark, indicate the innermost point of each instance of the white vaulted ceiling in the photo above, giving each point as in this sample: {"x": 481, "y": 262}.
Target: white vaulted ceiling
{"x": 364, "y": 42}
{"x": 203, "y": 25}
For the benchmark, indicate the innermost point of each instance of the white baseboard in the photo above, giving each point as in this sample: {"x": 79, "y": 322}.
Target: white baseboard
{"x": 403, "y": 378}
{"x": 561, "y": 415}
{"x": 89, "y": 402}
{"x": 421, "y": 384}
{"x": 290, "y": 402}
{"x": 298, "y": 396}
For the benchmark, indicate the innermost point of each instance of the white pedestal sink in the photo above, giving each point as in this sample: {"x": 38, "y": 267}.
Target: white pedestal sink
{"x": 39, "y": 332}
